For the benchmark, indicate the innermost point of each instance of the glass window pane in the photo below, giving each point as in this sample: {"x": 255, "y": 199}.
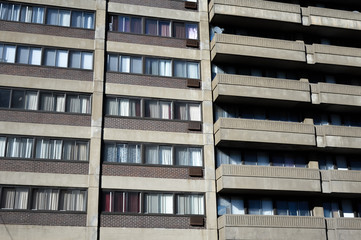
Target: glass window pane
{"x": 31, "y": 101}
{"x": 136, "y": 65}
{"x": 136, "y": 25}
{"x": 4, "y": 98}
{"x": 38, "y": 15}
{"x": 88, "y": 20}
{"x": 179, "y": 30}
{"x": 2, "y": 146}
{"x": 151, "y": 66}
{"x": 76, "y": 19}
{"x": 64, "y": 18}
{"x": 52, "y": 16}
{"x": 50, "y": 57}
{"x": 87, "y": 60}
{"x": 347, "y": 209}
{"x": 151, "y": 27}
{"x": 18, "y": 99}
{"x": 164, "y": 28}
{"x": 180, "y": 69}
{"x": 193, "y": 71}
{"x": 74, "y": 59}
{"x": 124, "y": 64}
{"x": 62, "y": 58}
{"x": 254, "y": 207}
{"x": 113, "y": 62}
{"x": 192, "y": 31}
{"x": 35, "y": 56}
{"x": 194, "y": 112}
{"x": 22, "y": 55}
{"x": 8, "y": 54}
{"x": 282, "y": 207}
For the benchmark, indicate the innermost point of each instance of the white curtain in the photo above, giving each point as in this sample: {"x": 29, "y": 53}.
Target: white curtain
{"x": 153, "y": 109}
{"x": 82, "y": 149}
{"x": 88, "y": 19}
{"x": 124, "y": 107}
{"x": 180, "y": 69}
{"x": 192, "y": 31}
{"x": 134, "y": 153}
{"x": 31, "y": 102}
{"x": 165, "y": 108}
{"x": 194, "y": 112}
{"x": 151, "y": 154}
{"x": 136, "y": 65}
{"x": 8, "y": 198}
{"x": 8, "y": 54}
{"x": 64, "y": 18}
{"x": 47, "y": 102}
{"x": 69, "y": 150}
{"x": 110, "y": 153}
{"x": 61, "y": 58}
{"x": 113, "y": 63}
{"x": 35, "y": 56}
{"x": 193, "y": 71}
{"x": 20, "y": 147}
{"x": 48, "y": 149}
{"x": 73, "y": 200}
{"x": 122, "y": 153}
{"x": 87, "y": 60}
{"x": 60, "y": 103}
{"x": 195, "y": 157}
{"x": 165, "y": 67}
{"x": 38, "y": 15}
{"x": 112, "y": 105}
{"x": 151, "y": 66}
{"x": 124, "y": 64}
{"x": 190, "y": 204}
{"x": 46, "y": 199}
{"x": 165, "y": 155}
{"x": 85, "y": 104}
{"x": 182, "y": 111}
{"x": 182, "y": 156}
{"x": 73, "y": 103}
{"x": 2, "y": 146}
{"x": 21, "y": 198}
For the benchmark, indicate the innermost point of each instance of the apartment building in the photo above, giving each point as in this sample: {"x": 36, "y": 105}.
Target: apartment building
{"x": 180, "y": 119}
{"x": 286, "y": 92}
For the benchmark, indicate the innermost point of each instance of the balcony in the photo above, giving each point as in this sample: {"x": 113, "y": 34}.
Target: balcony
{"x": 230, "y": 87}
{"x": 326, "y": 54}
{"x": 264, "y": 131}
{"x": 338, "y": 136}
{"x": 331, "y": 18}
{"x": 263, "y": 227}
{"x": 227, "y": 45}
{"x": 232, "y": 177}
{"x": 328, "y": 93}
{"x": 255, "y": 9}
{"x": 343, "y": 228}
{"x": 338, "y": 181}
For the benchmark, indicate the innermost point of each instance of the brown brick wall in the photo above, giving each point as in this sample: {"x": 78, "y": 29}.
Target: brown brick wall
{"x": 146, "y": 80}
{"x": 46, "y": 30}
{"x": 146, "y": 221}
{"x": 172, "y": 4}
{"x": 109, "y": 169}
{"x": 147, "y": 124}
{"x": 42, "y": 166}
{"x": 146, "y": 39}
{"x": 42, "y": 218}
{"x": 46, "y": 72}
{"x": 12, "y": 115}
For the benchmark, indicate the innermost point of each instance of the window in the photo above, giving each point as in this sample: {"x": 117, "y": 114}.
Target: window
{"x": 81, "y": 19}
{"x": 45, "y": 199}
{"x": 4, "y": 98}
{"x": 18, "y": 147}
{"x": 14, "y": 198}
{"x": 292, "y": 208}
{"x": 158, "y": 109}
{"x": 159, "y": 203}
{"x": 125, "y": 64}
{"x": 342, "y": 208}
{"x": 52, "y": 102}
{"x": 185, "y": 69}
{"x": 49, "y": 148}
{"x": 72, "y": 200}
{"x": 339, "y": 162}
{"x": 157, "y": 27}
{"x": 123, "y": 107}
{"x": 190, "y": 204}
{"x": 78, "y": 104}
{"x": 7, "y": 53}
{"x": 31, "y": 14}
{"x": 2, "y": 146}
{"x": 24, "y": 99}
{"x": 9, "y": 12}
{"x": 58, "y": 17}
{"x": 187, "y": 111}
{"x": 125, "y": 24}
{"x": 76, "y": 59}
{"x": 260, "y": 207}
{"x": 28, "y": 55}
{"x": 83, "y": 60}
{"x": 188, "y": 156}
{"x": 159, "y": 67}
{"x": 158, "y": 155}
{"x": 124, "y": 202}
{"x": 75, "y": 150}
{"x": 230, "y": 205}
{"x": 122, "y": 153}
{"x": 56, "y": 58}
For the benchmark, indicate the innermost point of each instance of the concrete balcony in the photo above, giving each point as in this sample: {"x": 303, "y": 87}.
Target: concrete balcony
{"x": 326, "y": 54}
{"x": 328, "y": 93}
{"x": 343, "y": 228}
{"x": 338, "y": 136}
{"x": 227, "y": 45}
{"x": 233, "y": 177}
{"x": 264, "y": 131}
{"x": 231, "y": 87}
{"x": 255, "y": 9}
{"x": 256, "y": 227}
{"x": 331, "y": 18}
{"x": 338, "y": 181}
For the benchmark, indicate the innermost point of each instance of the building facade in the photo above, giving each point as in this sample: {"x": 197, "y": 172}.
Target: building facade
{"x": 180, "y": 119}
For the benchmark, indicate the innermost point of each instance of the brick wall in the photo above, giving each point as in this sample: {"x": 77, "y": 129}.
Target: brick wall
{"x": 46, "y": 72}
{"x": 146, "y": 39}
{"x": 146, "y": 80}
{"x": 43, "y": 218}
{"x": 43, "y": 166}
{"x": 109, "y": 169}
{"x": 146, "y": 221}
{"x": 47, "y": 30}
{"x": 172, "y": 4}
{"x": 12, "y": 115}
{"x": 147, "y": 124}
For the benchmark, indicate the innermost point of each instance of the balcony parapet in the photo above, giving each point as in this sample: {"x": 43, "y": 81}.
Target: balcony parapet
{"x": 232, "y": 129}
{"x": 338, "y": 136}
{"x": 344, "y": 223}
{"x": 338, "y": 181}
{"x": 250, "y": 86}
{"x": 329, "y": 93}
{"x": 229, "y": 44}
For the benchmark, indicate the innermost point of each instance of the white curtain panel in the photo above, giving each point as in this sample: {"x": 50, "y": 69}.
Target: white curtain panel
{"x": 21, "y": 198}
{"x": 82, "y": 150}
{"x": 2, "y": 146}
{"x": 182, "y": 156}
{"x": 124, "y": 107}
{"x": 13, "y": 148}
{"x": 151, "y": 154}
{"x": 192, "y": 31}
{"x": 8, "y": 54}
{"x": 113, "y": 106}
{"x": 86, "y": 60}
{"x": 31, "y": 102}
{"x": 134, "y": 153}
{"x": 165, "y": 155}
{"x": 165, "y": 108}
{"x": 38, "y": 15}
{"x": 195, "y": 157}
{"x": 61, "y": 58}
{"x": 194, "y": 112}
{"x": 88, "y": 20}
{"x": 8, "y": 198}
{"x": 122, "y": 153}
{"x": 60, "y": 103}
{"x": 193, "y": 71}
{"x": 153, "y": 109}
{"x": 124, "y": 64}
{"x": 35, "y": 56}
{"x": 64, "y": 18}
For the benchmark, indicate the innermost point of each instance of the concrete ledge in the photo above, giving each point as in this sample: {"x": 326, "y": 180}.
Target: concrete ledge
{"x": 329, "y": 93}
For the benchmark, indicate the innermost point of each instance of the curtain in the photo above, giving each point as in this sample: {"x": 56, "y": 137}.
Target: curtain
{"x": 64, "y": 18}
{"x": 49, "y": 57}
{"x": 136, "y": 65}
{"x": 46, "y": 199}
{"x": 31, "y": 102}
{"x": 134, "y": 153}
{"x": 195, "y": 157}
{"x": 165, "y": 155}
{"x": 151, "y": 203}
{"x": 179, "y": 30}
{"x": 88, "y": 20}
{"x": 73, "y": 200}
{"x": 86, "y": 60}
{"x": 136, "y": 25}
{"x": 74, "y": 59}
{"x": 113, "y": 62}
{"x": 35, "y": 56}
{"x": 180, "y": 69}
{"x": 164, "y": 28}
{"x": 76, "y": 19}
{"x": 166, "y": 203}
{"x": 107, "y": 202}
{"x": 134, "y": 109}
{"x": 8, "y": 54}
{"x": 20, "y": 147}
{"x": 110, "y": 153}
{"x": 2, "y": 146}
{"x": 165, "y": 110}
{"x": 61, "y": 58}
{"x": 48, "y": 149}
{"x": 47, "y": 102}
{"x": 73, "y": 104}
{"x": 124, "y": 64}
{"x": 151, "y": 155}
{"x": 192, "y": 31}
{"x": 69, "y": 150}
{"x": 112, "y": 106}
{"x": 8, "y": 198}
{"x": 181, "y": 156}
{"x": 52, "y": 16}
{"x": 181, "y": 111}
{"x": 190, "y": 204}
{"x": 122, "y": 153}
{"x": 151, "y": 27}
{"x": 152, "y": 109}
{"x": 38, "y": 15}
{"x": 82, "y": 151}
{"x": 124, "y": 107}
{"x": 123, "y": 24}
{"x": 84, "y": 104}
{"x": 60, "y": 103}
{"x": 12, "y": 13}
{"x": 194, "y": 112}
{"x": 193, "y": 71}
{"x": 118, "y": 202}
{"x": 165, "y": 67}
{"x": 133, "y": 202}
{"x": 151, "y": 66}
{"x": 22, "y": 55}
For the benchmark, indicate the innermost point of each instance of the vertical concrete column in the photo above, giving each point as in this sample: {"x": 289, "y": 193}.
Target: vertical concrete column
{"x": 96, "y": 124}
{"x": 209, "y": 164}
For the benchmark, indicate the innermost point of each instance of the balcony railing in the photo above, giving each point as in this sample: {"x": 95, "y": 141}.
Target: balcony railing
{"x": 338, "y": 136}
{"x": 329, "y": 93}
{"x": 338, "y": 181}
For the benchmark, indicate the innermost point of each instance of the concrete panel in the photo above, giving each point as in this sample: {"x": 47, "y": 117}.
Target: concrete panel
{"x": 82, "y": 4}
